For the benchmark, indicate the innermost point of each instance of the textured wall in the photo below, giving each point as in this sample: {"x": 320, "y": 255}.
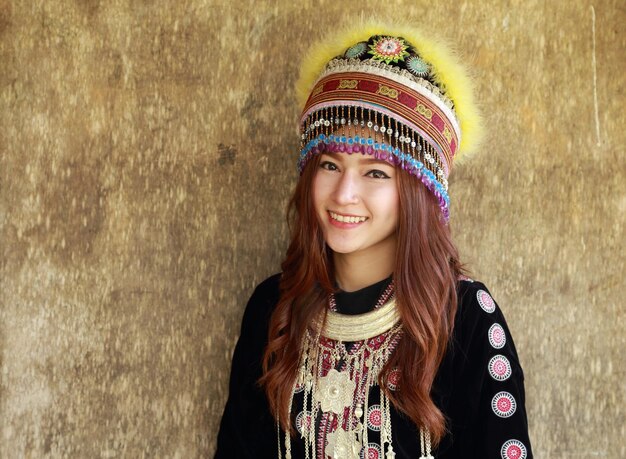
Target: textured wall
{"x": 146, "y": 156}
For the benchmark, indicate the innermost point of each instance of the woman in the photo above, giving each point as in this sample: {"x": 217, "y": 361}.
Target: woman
{"x": 371, "y": 342}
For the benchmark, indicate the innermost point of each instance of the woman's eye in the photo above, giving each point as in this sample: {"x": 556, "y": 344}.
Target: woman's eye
{"x": 377, "y": 174}
{"x": 328, "y": 165}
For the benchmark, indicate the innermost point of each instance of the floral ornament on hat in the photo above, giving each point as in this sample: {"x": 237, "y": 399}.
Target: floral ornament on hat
{"x": 388, "y": 49}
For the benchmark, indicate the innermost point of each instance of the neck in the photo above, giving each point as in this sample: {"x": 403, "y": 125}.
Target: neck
{"x": 354, "y": 271}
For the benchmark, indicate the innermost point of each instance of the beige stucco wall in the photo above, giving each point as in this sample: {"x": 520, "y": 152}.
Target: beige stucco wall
{"x": 147, "y": 150}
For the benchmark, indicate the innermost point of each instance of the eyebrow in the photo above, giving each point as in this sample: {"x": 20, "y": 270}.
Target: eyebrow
{"x": 367, "y": 160}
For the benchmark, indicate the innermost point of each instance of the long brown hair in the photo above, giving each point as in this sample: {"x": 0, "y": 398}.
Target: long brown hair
{"x": 426, "y": 272}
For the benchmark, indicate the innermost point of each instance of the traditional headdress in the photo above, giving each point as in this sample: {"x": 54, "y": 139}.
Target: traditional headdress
{"x": 396, "y": 82}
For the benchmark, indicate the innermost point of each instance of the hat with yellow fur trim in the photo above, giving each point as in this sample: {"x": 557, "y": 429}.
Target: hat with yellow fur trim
{"x": 408, "y": 96}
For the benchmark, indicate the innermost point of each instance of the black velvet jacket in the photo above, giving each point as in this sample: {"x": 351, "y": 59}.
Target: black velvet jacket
{"x": 479, "y": 386}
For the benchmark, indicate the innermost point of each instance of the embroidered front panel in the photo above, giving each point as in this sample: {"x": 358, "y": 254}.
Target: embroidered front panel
{"x": 358, "y": 421}
{"x": 334, "y": 391}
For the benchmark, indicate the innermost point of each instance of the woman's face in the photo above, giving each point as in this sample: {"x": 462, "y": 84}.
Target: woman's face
{"x": 356, "y": 201}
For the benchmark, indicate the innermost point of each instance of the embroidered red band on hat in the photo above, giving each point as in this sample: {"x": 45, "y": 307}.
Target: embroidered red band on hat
{"x": 404, "y": 104}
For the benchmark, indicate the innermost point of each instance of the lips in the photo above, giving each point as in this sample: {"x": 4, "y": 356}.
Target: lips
{"x": 340, "y": 218}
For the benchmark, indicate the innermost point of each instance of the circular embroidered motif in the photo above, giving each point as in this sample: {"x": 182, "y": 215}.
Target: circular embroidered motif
{"x": 485, "y": 301}
{"x": 388, "y": 49}
{"x": 374, "y": 418}
{"x": 503, "y": 404}
{"x": 497, "y": 337}
{"x": 513, "y": 449}
{"x": 303, "y": 422}
{"x": 417, "y": 66}
{"x": 393, "y": 379}
{"x": 357, "y": 50}
{"x": 499, "y": 368}
{"x": 372, "y": 451}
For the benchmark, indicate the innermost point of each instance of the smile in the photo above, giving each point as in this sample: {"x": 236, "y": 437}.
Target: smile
{"x": 346, "y": 218}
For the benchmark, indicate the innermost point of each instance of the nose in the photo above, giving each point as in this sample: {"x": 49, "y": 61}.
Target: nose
{"x": 346, "y": 189}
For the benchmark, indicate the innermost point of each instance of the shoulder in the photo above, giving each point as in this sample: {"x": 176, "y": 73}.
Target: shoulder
{"x": 268, "y": 290}
{"x": 255, "y": 323}
{"x": 480, "y": 325}
{"x": 262, "y": 301}
{"x": 475, "y": 303}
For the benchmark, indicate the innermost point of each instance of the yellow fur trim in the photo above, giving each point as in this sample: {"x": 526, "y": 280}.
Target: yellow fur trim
{"x": 446, "y": 69}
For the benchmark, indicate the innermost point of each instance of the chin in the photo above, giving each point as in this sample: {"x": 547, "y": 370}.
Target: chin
{"x": 343, "y": 248}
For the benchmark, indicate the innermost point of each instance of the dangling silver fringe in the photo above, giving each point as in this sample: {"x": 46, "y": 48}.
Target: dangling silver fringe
{"x": 425, "y": 444}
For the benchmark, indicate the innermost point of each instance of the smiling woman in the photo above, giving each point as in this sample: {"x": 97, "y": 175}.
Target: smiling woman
{"x": 372, "y": 342}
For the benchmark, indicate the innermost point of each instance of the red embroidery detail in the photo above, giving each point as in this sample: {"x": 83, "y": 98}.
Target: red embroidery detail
{"x": 438, "y": 122}
{"x": 485, "y": 301}
{"x": 372, "y": 451}
{"x": 513, "y": 449}
{"x": 374, "y": 418}
{"x": 299, "y": 388}
{"x": 368, "y": 85}
{"x": 407, "y": 100}
{"x": 331, "y": 85}
{"x": 497, "y": 337}
{"x": 393, "y": 379}
{"x": 499, "y": 368}
{"x": 503, "y": 404}
{"x": 303, "y": 422}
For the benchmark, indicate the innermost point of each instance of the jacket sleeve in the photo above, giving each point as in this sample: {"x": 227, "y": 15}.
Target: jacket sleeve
{"x": 247, "y": 429}
{"x": 490, "y": 380}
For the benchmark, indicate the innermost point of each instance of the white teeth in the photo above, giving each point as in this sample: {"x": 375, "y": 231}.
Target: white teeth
{"x": 347, "y": 219}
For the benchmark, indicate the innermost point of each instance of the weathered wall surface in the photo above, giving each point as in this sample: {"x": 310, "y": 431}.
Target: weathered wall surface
{"x": 147, "y": 151}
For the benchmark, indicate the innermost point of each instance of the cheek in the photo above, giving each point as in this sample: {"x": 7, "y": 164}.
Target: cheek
{"x": 319, "y": 191}
{"x": 390, "y": 203}
{"x": 394, "y": 214}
